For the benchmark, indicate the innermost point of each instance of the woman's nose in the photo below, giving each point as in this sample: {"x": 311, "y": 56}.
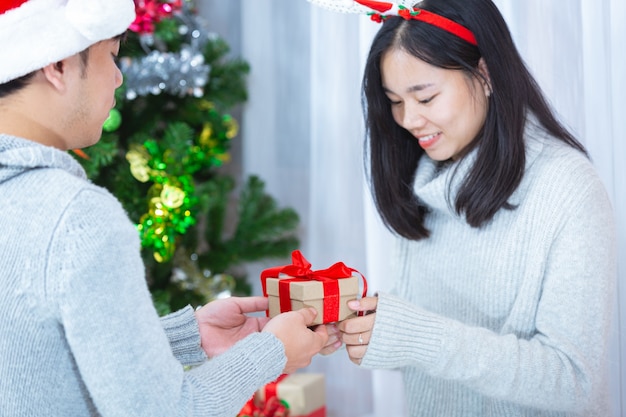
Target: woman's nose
{"x": 412, "y": 118}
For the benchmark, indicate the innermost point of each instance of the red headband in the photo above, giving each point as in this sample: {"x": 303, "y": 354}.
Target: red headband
{"x": 10, "y": 4}
{"x": 384, "y": 10}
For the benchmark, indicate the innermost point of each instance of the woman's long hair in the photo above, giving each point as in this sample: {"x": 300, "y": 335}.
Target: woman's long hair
{"x": 394, "y": 153}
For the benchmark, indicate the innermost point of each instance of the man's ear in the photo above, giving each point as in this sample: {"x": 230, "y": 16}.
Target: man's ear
{"x": 485, "y": 78}
{"x": 55, "y": 74}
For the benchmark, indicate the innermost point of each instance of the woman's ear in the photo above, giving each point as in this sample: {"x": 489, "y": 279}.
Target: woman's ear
{"x": 485, "y": 78}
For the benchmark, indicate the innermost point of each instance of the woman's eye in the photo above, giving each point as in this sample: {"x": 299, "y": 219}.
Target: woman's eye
{"x": 426, "y": 101}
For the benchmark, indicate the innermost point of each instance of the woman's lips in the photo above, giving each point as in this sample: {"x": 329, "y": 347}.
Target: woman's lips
{"x": 429, "y": 140}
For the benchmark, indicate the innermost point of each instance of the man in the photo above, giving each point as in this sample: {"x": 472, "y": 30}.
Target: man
{"x": 80, "y": 336}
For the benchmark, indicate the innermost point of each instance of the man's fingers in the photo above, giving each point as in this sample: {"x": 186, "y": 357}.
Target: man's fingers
{"x": 252, "y": 304}
{"x": 308, "y": 314}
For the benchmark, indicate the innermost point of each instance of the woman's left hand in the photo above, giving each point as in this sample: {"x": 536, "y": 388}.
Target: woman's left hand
{"x": 357, "y": 332}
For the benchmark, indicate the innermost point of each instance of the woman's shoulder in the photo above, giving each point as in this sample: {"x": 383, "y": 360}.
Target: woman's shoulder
{"x": 559, "y": 169}
{"x": 554, "y": 156}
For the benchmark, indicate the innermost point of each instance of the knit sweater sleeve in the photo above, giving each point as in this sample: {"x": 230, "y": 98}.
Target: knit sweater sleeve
{"x": 558, "y": 367}
{"x": 182, "y": 332}
{"x": 95, "y": 277}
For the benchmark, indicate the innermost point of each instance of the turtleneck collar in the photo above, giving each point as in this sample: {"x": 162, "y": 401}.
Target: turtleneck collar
{"x": 437, "y": 184}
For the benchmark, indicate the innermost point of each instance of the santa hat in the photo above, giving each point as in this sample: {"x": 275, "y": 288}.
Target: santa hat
{"x": 35, "y": 33}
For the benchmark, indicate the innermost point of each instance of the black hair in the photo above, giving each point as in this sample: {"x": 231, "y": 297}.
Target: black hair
{"x": 394, "y": 153}
{"x": 15, "y": 85}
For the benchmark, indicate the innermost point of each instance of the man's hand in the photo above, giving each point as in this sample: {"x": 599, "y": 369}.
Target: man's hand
{"x": 334, "y": 339}
{"x": 301, "y": 343}
{"x": 224, "y": 322}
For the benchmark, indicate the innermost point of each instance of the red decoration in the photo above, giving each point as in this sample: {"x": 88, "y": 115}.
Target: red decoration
{"x": 379, "y": 6}
{"x": 271, "y": 407}
{"x": 151, "y": 12}
{"x": 7, "y": 5}
{"x": 300, "y": 270}
{"x": 418, "y": 14}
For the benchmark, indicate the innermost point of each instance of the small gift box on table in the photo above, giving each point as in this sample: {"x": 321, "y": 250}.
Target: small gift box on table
{"x": 296, "y": 286}
{"x": 295, "y": 395}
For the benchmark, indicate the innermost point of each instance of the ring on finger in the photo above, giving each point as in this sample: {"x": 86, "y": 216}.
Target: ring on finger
{"x": 361, "y": 338}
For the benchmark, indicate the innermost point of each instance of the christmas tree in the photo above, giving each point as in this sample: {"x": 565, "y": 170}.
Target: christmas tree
{"x": 160, "y": 154}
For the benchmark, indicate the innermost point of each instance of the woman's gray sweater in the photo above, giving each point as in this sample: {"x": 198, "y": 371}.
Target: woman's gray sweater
{"x": 513, "y": 318}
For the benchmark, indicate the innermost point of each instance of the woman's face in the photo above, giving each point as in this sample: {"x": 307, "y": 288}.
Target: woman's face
{"x": 443, "y": 109}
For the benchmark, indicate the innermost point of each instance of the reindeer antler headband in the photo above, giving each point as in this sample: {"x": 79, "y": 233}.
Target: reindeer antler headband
{"x": 379, "y": 11}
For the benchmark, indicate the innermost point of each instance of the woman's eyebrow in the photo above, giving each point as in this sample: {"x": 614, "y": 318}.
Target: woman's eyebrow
{"x": 412, "y": 89}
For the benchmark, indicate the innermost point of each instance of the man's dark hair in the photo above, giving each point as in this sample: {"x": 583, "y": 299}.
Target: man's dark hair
{"x": 17, "y": 84}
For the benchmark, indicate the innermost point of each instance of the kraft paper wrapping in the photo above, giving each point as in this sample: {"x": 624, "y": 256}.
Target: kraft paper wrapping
{"x": 311, "y": 294}
{"x": 304, "y": 392}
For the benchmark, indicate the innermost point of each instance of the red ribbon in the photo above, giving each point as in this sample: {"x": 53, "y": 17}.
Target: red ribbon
{"x": 300, "y": 271}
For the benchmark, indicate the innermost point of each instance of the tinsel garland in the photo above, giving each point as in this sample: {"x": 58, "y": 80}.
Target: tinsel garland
{"x": 178, "y": 73}
{"x": 171, "y": 198}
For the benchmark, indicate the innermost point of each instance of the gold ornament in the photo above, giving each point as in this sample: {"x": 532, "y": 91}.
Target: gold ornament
{"x": 138, "y": 157}
{"x": 205, "y": 135}
{"x": 140, "y": 172}
{"x": 172, "y": 197}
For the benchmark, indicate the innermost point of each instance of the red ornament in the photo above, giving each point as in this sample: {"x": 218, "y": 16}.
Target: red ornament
{"x": 405, "y": 13}
{"x": 378, "y": 18}
{"x": 151, "y": 12}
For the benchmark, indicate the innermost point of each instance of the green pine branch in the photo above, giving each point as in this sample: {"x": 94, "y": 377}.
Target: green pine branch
{"x": 263, "y": 229}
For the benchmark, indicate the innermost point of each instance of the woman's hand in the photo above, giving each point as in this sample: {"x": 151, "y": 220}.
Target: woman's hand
{"x": 357, "y": 332}
{"x": 334, "y": 339}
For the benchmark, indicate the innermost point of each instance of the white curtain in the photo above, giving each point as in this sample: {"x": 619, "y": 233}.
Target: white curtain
{"x": 302, "y": 133}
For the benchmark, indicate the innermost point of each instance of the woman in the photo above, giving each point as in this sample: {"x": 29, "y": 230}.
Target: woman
{"x": 505, "y": 263}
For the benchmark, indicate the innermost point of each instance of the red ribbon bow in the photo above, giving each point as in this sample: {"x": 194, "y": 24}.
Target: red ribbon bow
{"x": 300, "y": 270}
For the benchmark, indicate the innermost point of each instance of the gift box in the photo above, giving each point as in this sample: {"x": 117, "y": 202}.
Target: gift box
{"x": 296, "y": 286}
{"x": 294, "y": 395}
